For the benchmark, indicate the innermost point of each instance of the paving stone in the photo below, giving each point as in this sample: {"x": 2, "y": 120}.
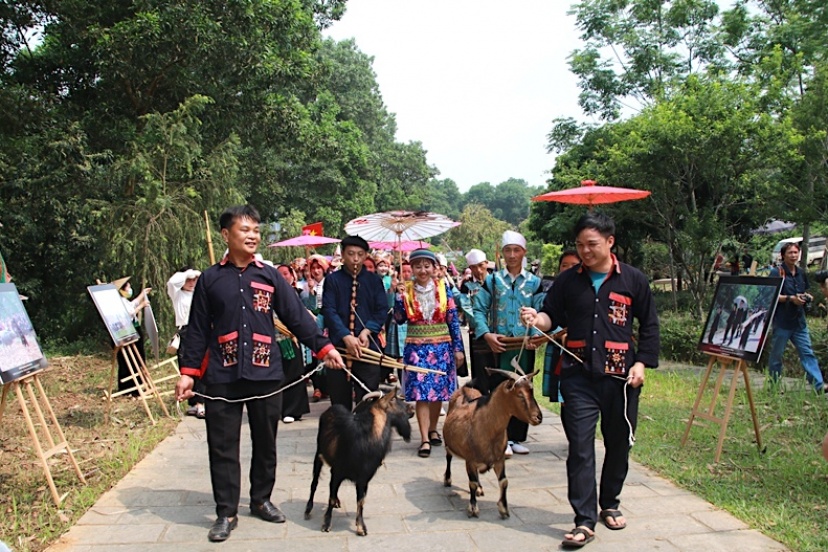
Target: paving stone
{"x": 165, "y": 504}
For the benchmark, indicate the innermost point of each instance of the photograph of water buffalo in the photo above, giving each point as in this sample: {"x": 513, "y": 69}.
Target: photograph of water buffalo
{"x": 740, "y": 316}
{"x": 113, "y": 313}
{"x": 20, "y": 353}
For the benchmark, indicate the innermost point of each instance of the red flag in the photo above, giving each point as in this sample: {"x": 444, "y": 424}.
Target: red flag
{"x": 314, "y": 229}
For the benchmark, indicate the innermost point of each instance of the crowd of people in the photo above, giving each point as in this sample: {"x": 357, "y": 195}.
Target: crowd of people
{"x": 346, "y": 310}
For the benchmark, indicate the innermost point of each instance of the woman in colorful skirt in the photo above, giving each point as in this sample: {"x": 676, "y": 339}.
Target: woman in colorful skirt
{"x": 433, "y": 341}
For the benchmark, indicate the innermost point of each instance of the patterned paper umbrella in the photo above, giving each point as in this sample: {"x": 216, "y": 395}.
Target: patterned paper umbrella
{"x": 305, "y": 241}
{"x": 399, "y": 226}
{"x": 401, "y": 246}
{"x": 590, "y": 194}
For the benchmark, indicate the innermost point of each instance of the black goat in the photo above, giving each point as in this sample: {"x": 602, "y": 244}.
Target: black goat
{"x": 354, "y": 445}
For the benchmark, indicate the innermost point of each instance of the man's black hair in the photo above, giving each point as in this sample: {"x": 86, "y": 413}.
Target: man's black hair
{"x": 568, "y": 253}
{"x": 231, "y": 214}
{"x": 788, "y": 245}
{"x": 596, "y": 221}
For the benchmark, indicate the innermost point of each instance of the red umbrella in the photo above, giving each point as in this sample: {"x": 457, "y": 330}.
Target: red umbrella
{"x": 590, "y": 194}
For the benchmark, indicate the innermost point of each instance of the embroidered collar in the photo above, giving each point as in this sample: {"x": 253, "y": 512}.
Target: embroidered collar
{"x": 616, "y": 266}
{"x": 253, "y": 260}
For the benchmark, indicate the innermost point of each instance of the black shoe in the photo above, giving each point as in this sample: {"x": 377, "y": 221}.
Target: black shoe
{"x": 220, "y": 531}
{"x": 268, "y": 512}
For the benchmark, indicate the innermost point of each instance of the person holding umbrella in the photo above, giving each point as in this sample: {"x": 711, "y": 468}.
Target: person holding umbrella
{"x": 433, "y": 341}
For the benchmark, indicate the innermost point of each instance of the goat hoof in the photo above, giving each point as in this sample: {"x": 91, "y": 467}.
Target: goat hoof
{"x": 337, "y": 504}
{"x": 447, "y": 482}
{"x": 326, "y": 528}
{"x": 361, "y": 531}
{"x": 480, "y": 491}
{"x": 504, "y": 514}
{"x": 472, "y": 511}
{"x": 307, "y": 515}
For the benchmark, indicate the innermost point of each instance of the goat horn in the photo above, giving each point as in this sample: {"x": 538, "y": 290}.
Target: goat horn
{"x": 506, "y": 373}
{"x": 528, "y": 376}
{"x": 372, "y": 395}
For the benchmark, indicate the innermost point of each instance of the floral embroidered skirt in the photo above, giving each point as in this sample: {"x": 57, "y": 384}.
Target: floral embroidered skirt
{"x": 429, "y": 387}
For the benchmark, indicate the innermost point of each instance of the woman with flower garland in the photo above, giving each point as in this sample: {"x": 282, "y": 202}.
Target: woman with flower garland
{"x": 433, "y": 341}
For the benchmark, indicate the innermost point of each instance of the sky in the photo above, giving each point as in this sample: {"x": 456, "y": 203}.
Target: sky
{"x": 477, "y": 82}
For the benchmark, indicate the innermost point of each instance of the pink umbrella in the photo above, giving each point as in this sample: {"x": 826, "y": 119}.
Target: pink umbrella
{"x": 305, "y": 241}
{"x": 590, "y": 194}
{"x": 400, "y": 246}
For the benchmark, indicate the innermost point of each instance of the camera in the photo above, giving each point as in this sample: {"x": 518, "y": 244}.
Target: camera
{"x": 820, "y": 276}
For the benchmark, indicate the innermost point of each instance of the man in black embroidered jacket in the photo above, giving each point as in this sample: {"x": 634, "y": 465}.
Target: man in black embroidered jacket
{"x": 597, "y": 303}
{"x": 229, "y": 347}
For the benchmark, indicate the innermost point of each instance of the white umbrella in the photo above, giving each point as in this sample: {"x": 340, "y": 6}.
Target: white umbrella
{"x": 399, "y": 226}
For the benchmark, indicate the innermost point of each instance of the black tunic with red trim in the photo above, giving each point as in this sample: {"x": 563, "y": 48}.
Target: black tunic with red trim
{"x": 600, "y": 325}
{"x": 231, "y": 319}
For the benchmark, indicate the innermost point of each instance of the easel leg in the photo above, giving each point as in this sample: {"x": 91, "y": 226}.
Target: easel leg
{"x": 704, "y": 381}
{"x": 33, "y": 432}
{"x": 153, "y": 390}
{"x": 752, "y": 409}
{"x": 3, "y": 399}
{"x": 58, "y": 429}
{"x": 728, "y": 410}
{"x": 128, "y": 356}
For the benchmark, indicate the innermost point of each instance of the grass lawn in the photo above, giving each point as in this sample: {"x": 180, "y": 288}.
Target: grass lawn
{"x": 782, "y": 493}
{"x": 105, "y": 451}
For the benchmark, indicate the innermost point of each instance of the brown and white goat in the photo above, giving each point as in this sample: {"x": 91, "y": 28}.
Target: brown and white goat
{"x": 354, "y": 445}
{"x": 475, "y": 430}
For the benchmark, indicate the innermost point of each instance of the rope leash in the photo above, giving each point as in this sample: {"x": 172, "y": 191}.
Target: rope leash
{"x": 304, "y": 378}
{"x": 626, "y": 415}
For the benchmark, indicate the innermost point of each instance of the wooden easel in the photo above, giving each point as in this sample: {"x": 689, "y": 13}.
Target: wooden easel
{"x": 724, "y": 363}
{"x": 41, "y": 403}
{"x": 141, "y": 379}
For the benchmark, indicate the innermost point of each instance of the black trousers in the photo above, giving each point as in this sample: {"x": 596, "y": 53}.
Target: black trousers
{"x": 480, "y": 357}
{"x": 223, "y": 439}
{"x": 341, "y": 389}
{"x": 585, "y": 399}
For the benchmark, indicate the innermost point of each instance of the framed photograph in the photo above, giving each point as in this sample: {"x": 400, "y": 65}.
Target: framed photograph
{"x": 114, "y": 313}
{"x": 740, "y": 316}
{"x": 20, "y": 353}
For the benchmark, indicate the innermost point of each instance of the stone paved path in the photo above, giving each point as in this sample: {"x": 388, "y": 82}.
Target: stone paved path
{"x": 165, "y": 504}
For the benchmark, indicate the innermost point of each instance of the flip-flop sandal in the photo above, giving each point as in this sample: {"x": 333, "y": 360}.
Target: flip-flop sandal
{"x": 572, "y": 543}
{"x": 434, "y": 439}
{"x": 424, "y": 452}
{"x": 614, "y": 514}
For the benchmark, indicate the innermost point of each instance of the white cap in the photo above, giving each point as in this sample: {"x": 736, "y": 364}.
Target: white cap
{"x": 511, "y": 237}
{"x": 475, "y": 257}
{"x": 441, "y": 259}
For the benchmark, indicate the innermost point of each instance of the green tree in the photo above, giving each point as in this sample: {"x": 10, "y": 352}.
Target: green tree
{"x": 634, "y": 49}
{"x": 478, "y": 229}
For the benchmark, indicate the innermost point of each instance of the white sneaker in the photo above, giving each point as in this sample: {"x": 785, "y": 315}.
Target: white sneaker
{"x": 288, "y": 419}
{"x": 518, "y": 448}
{"x": 442, "y": 411}
{"x": 508, "y": 451}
